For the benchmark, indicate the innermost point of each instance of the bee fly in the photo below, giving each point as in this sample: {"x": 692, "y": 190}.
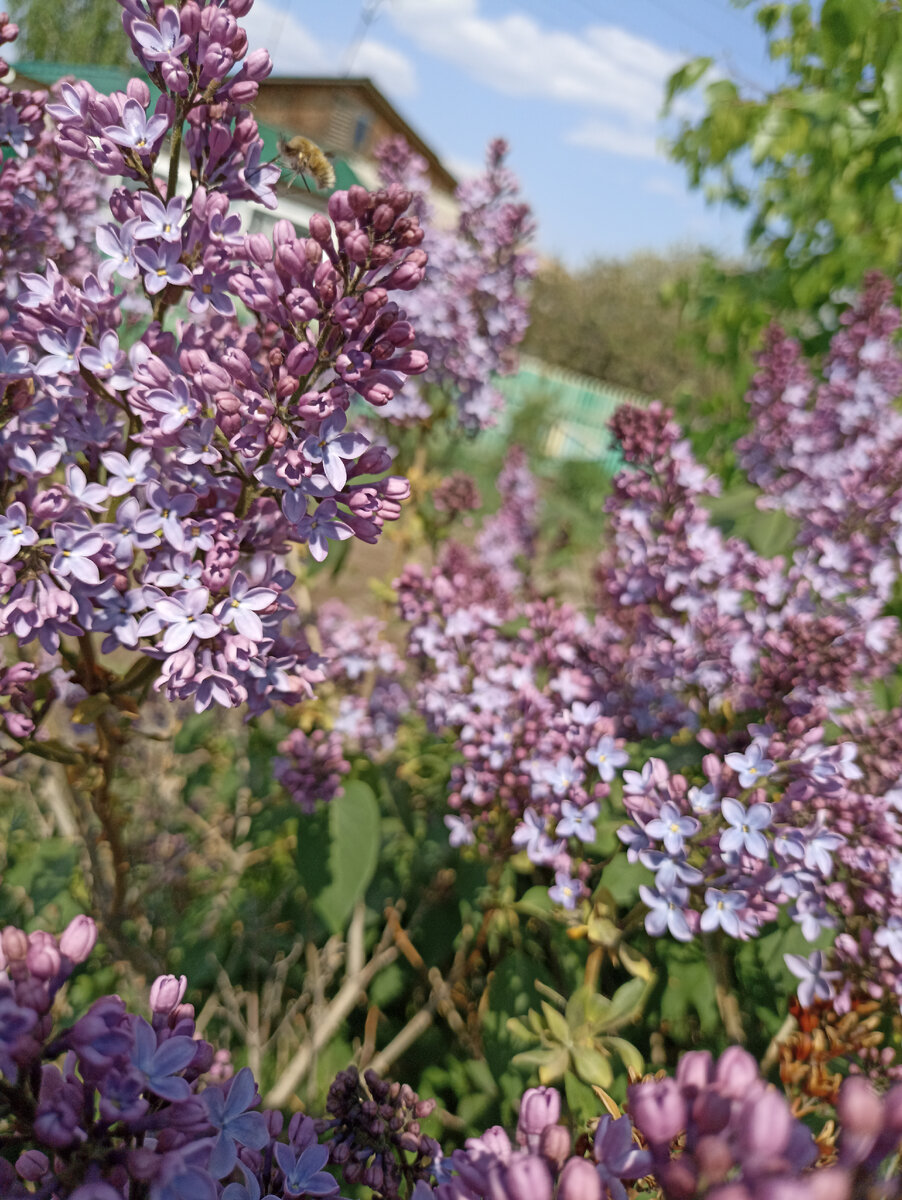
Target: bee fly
{"x": 307, "y": 159}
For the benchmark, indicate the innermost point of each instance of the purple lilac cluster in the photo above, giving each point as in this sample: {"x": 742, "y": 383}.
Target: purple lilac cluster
{"x": 782, "y": 824}
{"x": 150, "y": 495}
{"x": 828, "y": 452}
{"x": 117, "y": 1106}
{"x": 311, "y": 767}
{"x": 473, "y": 309}
{"x": 738, "y": 1139}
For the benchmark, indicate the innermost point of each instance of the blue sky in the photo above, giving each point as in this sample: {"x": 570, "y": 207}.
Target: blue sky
{"x": 574, "y": 85}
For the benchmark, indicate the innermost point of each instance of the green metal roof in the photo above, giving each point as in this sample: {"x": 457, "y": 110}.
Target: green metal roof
{"x": 115, "y": 79}
{"x": 581, "y": 408}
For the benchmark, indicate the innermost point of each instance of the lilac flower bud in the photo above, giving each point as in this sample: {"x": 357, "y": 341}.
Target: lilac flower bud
{"x": 579, "y": 1180}
{"x": 539, "y": 1107}
{"x": 694, "y": 1072}
{"x": 78, "y": 939}
{"x": 43, "y": 957}
{"x": 658, "y": 1110}
{"x": 714, "y": 1157}
{"x": 735, "y": 1073}
{"x": 166, "y": 992}
{"x": 527, "y": 1178}
{"x": 32, "y": 1165}
{"x": 554, "y": 1144}
{"x": 764, "y": 1125}
{"x": 678, "y": 1178}
{"x": 14, "y": 943}
{"x": 711, "y": 1112}
{"x": 830, "y": 1183}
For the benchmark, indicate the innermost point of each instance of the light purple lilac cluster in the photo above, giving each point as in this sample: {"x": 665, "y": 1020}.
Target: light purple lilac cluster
{"x": 473, "y": 308}
{"x": 150, "y": 495}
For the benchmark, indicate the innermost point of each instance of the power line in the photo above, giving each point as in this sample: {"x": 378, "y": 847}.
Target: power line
{"x": 368, "y": 11}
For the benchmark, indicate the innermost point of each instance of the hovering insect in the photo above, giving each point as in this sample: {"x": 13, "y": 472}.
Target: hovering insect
{"x": 304, "y": 157}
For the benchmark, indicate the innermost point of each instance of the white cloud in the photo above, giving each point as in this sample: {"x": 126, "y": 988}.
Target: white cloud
{"x": 661, "y": 185}
{"x": 616, "y": 138}
{"x": 604, "y": 66}
{"x": 296, "y": 51}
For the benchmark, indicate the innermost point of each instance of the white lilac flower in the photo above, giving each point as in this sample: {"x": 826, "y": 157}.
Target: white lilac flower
{"x": 745, "y": 828}
{"x": 751, "y": 767}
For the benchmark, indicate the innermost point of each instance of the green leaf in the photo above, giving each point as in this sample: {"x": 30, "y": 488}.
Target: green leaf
{"x": 337, "y": 854}
{"x": 557, "y": 1024}
{"x": 626, "y": 1004}
{"x": 536, "y": 902}
{"x": 629, "y": 1055}
{"x": 593, "y": 1067}
{"x": 686, "y": 77}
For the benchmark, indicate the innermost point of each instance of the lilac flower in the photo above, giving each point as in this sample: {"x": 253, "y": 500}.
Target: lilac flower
{"x": 242, "y": 605}
{"x": 106, "y": 361}
{"x": 119, "y": 243}
{"x": 14, "y": 362}
{"x": 816, "y": 983}
{"x": 819, "y": 845}
{"x": 617, "y": 1155}
{"x": 752, "y": 766}
{"x": 702, "y": 799}
{"x": 89, "y": 495}
{"x": 846, "y": 753}
{"x": 666, "y": 912}
{"x": 565, "y": 890}
{"x": 136, "y": 131}
{"x": 745, "y": 832}
{"x": 578, "y": 822}
{"x": 116, "y": 615}
{"x": 27, "y": 462}
{"x": 124, "y": 474}
{"x": 62, "y": 352}
{"x": 303, "y": 1173}
{"x": 321, "y": 527}
{"x": 160, "y": 1063}
{"x": 236, "y": 1126}
{"x": 722, "y": 912}
{"x": 15, "y": 532}
{"x": 162, "y": 266}
{"x": 184, "y": 617}
{"x": 669, "y": 871}
{"x": 606, "y": 757}
{"x": 74, "y": 548}
{"x": 331, "y": 447}
{"x": 161, "y": 220}
{"x": 260, "y": 178}
{"x": 563, "y": 776}
{"x": 531, "y": 835}
{"x": 461, "y": 830}
{"x": 889, "y": 937}
{"x": 672, "y": 828}
{"x": 177, "y": 406}
{"x": 165, "y": 41}
{"x": 810, "y": 912}
{"x": 209, "y": 290}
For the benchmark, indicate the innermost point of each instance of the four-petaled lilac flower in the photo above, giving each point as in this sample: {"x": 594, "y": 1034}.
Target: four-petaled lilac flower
{"x": 74, "y": 547}
{"x": 890, "y": 938}
{"x": 578, "y": 822}
{"x": 161, "y": 220}
{"x": 62, "y": 352}
{"x": 106, "y": 361}
{"x": 666, "y": 911}
{"x": 723, "y": 912}
{"x": 90, "y": 495}
{"x": 15, "y": 532}
{"x": 184, "y": 616}
{"x": 617, "y": 1155}
{"x": 322, "y": 526}
{"x": 564, "y": 775}
{"x": 461, "y": 830}
{"x": 165, "y": 41}
{"x": 607, "y": 758}
{"x": 671, "y": 828}
{"x": 531, "y": 835}
{"x": 331, "y": 447}
{"x": 119, "y": 243}
{"x": 126, "y": 473}
{"x": 14, "y": 362}
{"x": 162, "y": 265}
{"x": 752, "y": 766}
{"x": 136, "y": 131}
{"x": 565, "y": 890}
{"x": 816, "y": 983}
{"x": 160, "y": 1063}
{"x": 745, "y": 828}
{"x": 236, "y": 1126}
{"x": 810, "y": 912}
{"x": 303, "y": 1173}
{"x": 819, "y": 845}
{"x": 177, "y": 405}
{"x": 260, "y": 177}
{"x": 242, "y": 605}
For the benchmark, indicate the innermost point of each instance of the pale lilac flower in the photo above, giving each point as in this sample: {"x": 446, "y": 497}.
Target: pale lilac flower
{"x": 236, "y": 1126}
{"x": 810, "y": 912}
{"x": 27, "y": 462}
{"x": 124, "y": 474}
{"x": 607, "y": 758}
{"x": 752, "y": 766}
{"x": 585, "y": 714}
{"x": 62, "y": 352}
{"x": 816, "y": 983}
{"x": 184, "y": 617}
{"x": 819, "y": 845}
{"x": 119, "y": 243}
{"x": 331, "y": 447}
{"x": 702, "y": 799}
{"x": 177, "y": 406}
{"x": 106, "y": 361}
{"x": 578, "y": 822}
{"x": 15, "y": 532}
{"x": 162, "y": 41}
{"x": 723, "y": 911}
{"x": 461, "y": 830}
{"x": 617, "y": 1155}
{"x": 671, "y": 828}
{"x": 74, "y": 547}
{"x": 91, "y": 495}
{"x": 530, "y": 834}
{"x": 321, "y": 527}
{"x": 745, "y": 828}
{"x": 565, "y": 890}
{"x": 136, "y": 130}
{"x": 161, "y": 220}
{"x": 242, "y": 605}
{"x": 14, "y": 362}
{"x": 260, "y": 177}
{"x": 303, "y": 1173}
{"x": 162, "y": 266}
{"x": 890, "y": 938}
{"x": 666, "y": 912}
{"x": 563, "y": 776}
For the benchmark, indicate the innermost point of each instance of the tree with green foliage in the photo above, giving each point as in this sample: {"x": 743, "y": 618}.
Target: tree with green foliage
{"x": 817, "y": 162}
{"x": 78, "y": 31}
